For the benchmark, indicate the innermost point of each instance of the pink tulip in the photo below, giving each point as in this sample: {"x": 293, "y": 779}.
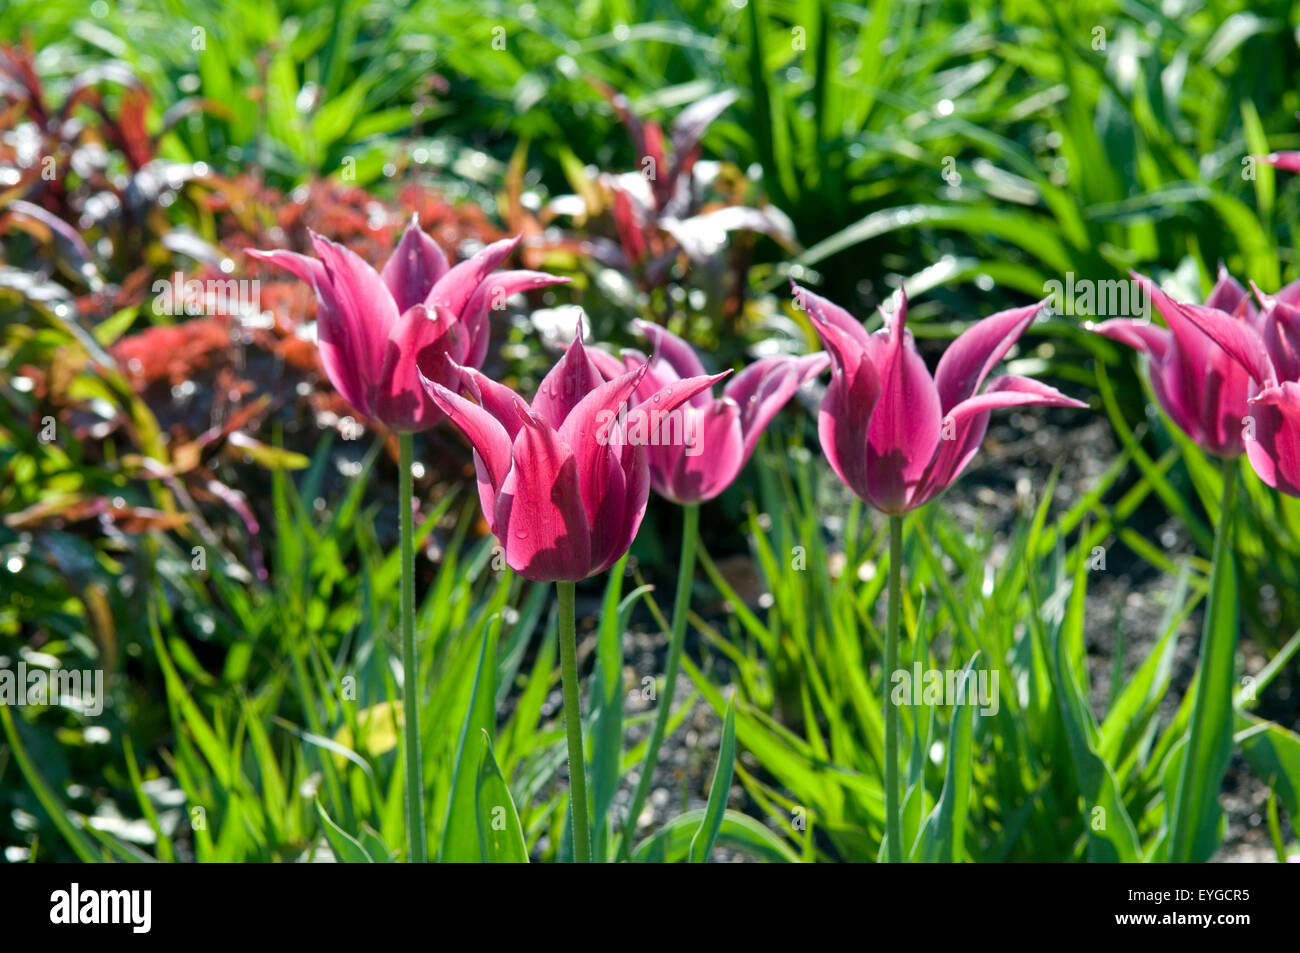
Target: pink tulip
{"x": 698, "y": 451}
{"x": 1198, "y": 385}
{"x": 895, "y": 435}
{"x": 1268, "y": 350}
{"x": 377, "y": 330}
{"x": 1286, "y": 161}
{"x": 559, "y": 489}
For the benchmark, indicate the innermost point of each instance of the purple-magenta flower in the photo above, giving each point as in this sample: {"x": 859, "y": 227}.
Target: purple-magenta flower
{"x": 896, "y": 436}
{"x": 378, "y": 330}
{"x": 699, "y": 448}
{"x": 561, "y": 491}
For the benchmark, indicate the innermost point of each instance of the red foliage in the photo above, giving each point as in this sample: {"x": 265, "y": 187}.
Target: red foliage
{"x": 173, "y": 352}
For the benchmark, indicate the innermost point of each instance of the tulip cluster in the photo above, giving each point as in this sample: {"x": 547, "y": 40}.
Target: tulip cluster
{"x": 560, "y": 491}
{"x": 564, "y": 479}
{"x": 1227, "y": 373}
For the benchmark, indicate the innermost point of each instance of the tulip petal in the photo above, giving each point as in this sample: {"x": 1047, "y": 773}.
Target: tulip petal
{"x": 823, "y": 311}
{"x": 1201, "y": 384}
{"x": 1290, "y": 294}
{"x": 342, "y": 352}
{"x": 540, "y": 519}
{"x": 636, "y": 494}
{"x": 672, "y": 359}
{"x": 417, "y": 339}
{"x": 305, "y": 267}
{"x": 1150, "y": 339}
{"x": 846, "y": 410}
{"x": 1274, "y": 451}
{"x": 591, "y": 432}
{"x": 904, "y": 430}
{"x": 1197, "y": 351}
{"x": 1179, "y": 391}
{"x": 672, "y": 350}
{"x": 492, "y": 443}
{"x": 572, "y": 378}
{"x": 1286, "y": 161}
{"x": 609, "y": 366}
{"x": 1236, "y": 338}
{"x": 414, "y": 267}
{"x": 496, "y": 398}
{"x": 707, "y": 461}
{"x": 764, "y": 387}
{"x": 492, "y": 294}
{"x": 1227, "y": 294}
{"x": 1281, "y": 326}
{"x": 659, "y": 374}
{"x": 964, "y": 427}
{"x": 455, "y": 289}
{"x": 684, "y": 391}
{"x": 364, "y": 300}
{"x": 968, "y": 360}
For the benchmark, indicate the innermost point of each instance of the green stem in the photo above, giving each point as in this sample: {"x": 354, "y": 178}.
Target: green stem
{"x": 681, "y": 609}
{"x": 573, "y": 725}
{"x": 417, "y": 848}
{"x": 893, "y": 804}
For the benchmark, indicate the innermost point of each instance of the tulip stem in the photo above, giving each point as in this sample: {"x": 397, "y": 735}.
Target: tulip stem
{"x": 573, "y": 725}
{"x": 417, "y": 848}
{"x": 681, "y": 609}
{"x": 893, "y": 804}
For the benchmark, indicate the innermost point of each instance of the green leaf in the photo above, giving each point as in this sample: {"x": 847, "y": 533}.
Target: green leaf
{"x": 376, "y": 848}
{"x": 1110, "y": 831}
{"x": 672, "y": 842}
{"x": 346, "y": 848}
{"x": 1196, "y": 818}
{"x": 501, "y": 839}
{"x": 460, "y": 839}
{"x": 702, "y": 842}
{"x": 943, "y": 839}
{"x": 49, "y": 800}
{"x": 606, "y": 706}
{"x": 265, "y": 455}
{"x": 1273, "y": 753}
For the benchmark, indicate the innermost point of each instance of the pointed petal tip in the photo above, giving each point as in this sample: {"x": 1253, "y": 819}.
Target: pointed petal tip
{"x": 896, "y": 319}
{"x": 640, "y": 371}
{"x": 1263, "y": 297}
{"x": 816, "y": 363}
{"x": 1068, "y": 401}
